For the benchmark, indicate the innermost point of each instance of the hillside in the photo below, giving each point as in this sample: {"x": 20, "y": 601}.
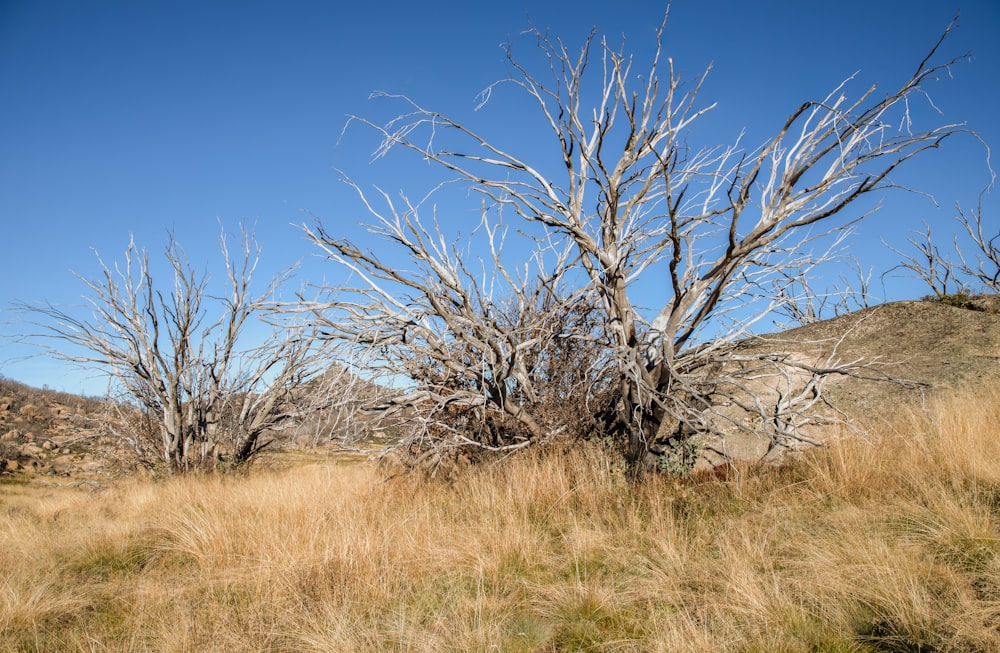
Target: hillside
{"x": 937, "y": 346}
{"x": 911, "y": 351}
{"x": 50, "y": 433}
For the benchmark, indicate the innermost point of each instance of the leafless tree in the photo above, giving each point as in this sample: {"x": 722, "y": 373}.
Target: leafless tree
{"x": 799, "y": 303}
{"x": 951, "y": 276}
{"x": 622, "y": 198}
{"x": 933, "y": 267}
{"x": 196, "y": 384}
{"x": 495, "y": 357}
{"x": 985, "y": 270}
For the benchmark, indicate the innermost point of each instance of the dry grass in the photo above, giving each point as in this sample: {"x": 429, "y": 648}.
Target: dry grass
{"x": 886, "y": 544}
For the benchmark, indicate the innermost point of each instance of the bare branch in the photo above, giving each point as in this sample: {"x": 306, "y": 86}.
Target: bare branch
{"x": 624, "y": 198}
{"x": 929, "y": 265}
{"x": 985, "y": 270}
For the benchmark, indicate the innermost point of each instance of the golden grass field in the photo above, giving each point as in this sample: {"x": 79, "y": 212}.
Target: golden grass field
{"x": 889, "y": 542}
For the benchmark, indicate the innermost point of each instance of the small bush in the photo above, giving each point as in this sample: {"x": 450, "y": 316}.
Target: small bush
{"x": 961, "y": 299}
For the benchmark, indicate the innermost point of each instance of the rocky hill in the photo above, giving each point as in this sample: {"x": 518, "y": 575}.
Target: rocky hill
{"x": 51, "y": 433}
{"x": 46, "y": 435}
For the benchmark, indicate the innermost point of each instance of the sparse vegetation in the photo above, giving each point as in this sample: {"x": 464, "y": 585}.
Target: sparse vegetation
{"x": 958, "y": 299}
{"x": 48, "y": 432}
{"x": 489, "y": 350}
{"x": 953, "y": 278}
{"x": 888, "y": 542}
{"x": 886, "y": 539}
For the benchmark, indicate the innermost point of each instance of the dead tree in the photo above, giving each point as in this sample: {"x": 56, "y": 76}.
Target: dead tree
{"x": 955, "y": 277}
{"x": 623, "y": 198}
{"x": 192, "y": 388}
{"x": 800, "y": 304}
{"x": 933, "y": 267}
{"x": 495, "y": 355}
{"x": 984, "y": 272}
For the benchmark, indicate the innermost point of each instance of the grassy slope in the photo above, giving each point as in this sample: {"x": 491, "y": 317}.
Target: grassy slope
{"x": 889, "y": 544}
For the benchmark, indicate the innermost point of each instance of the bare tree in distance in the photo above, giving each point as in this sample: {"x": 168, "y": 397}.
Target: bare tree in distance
{"x": 801, "y": 304}
{"x": 955, "y": 277}
{"x": 197, "y": 385}
{"x": 984, "y": 271}
{"x": 628, "y": 200}
{"x": 929, "y": 264}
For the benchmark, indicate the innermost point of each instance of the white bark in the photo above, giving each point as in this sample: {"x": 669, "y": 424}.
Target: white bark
{"x": 631, "y": 199}
{"x": 208, "y": 392}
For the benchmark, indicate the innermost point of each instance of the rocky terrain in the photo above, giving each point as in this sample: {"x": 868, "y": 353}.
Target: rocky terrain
{"x": 57, "y": 438}
{"x": 51, "y": 434}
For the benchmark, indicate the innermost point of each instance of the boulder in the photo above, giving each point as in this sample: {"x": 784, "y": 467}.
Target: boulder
{"x": 31, "y": 412}
{"x": 31, "y": 449}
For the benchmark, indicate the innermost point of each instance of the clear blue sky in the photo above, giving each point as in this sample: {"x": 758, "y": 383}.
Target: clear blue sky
{"x": 121, "y": 117}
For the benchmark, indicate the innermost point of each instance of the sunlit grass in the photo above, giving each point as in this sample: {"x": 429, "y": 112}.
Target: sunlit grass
{"x": 884, "y": 543}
